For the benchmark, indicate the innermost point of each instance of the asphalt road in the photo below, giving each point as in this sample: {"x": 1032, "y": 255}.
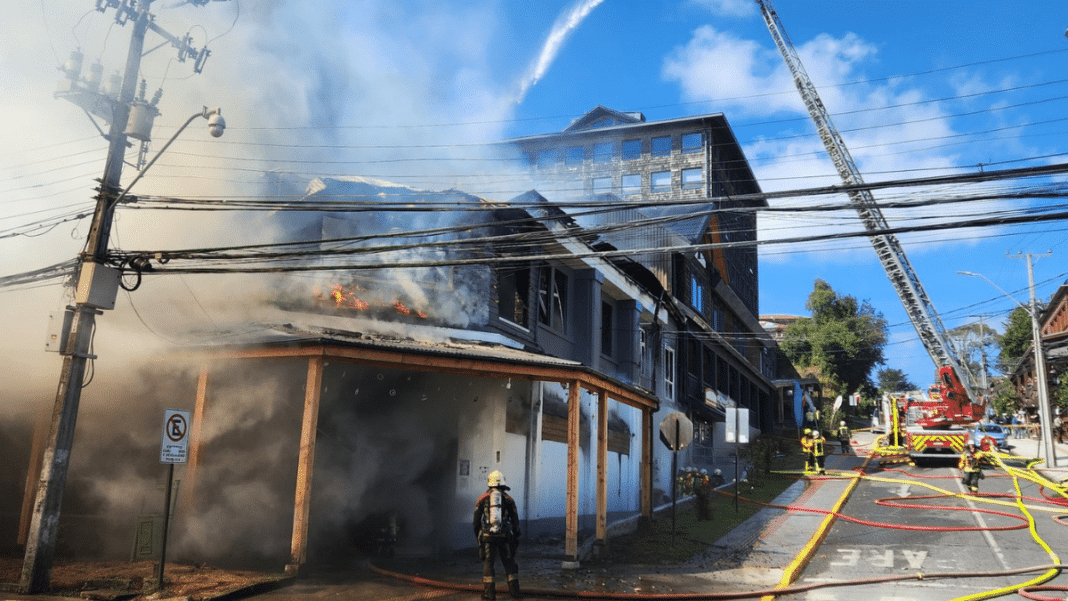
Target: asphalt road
{"x": 907, "y": 534}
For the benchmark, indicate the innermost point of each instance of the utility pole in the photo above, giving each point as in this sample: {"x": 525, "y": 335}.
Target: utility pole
{"x": 44, "y": 524}
{"x": 97, "y": 288}
{"x": 1046, "y": 425}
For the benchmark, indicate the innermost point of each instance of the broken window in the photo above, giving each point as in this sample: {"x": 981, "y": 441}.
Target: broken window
{"x": 512, "y": 288}
{"x": 552, "y": 298}
{"x": 606, "y": 329}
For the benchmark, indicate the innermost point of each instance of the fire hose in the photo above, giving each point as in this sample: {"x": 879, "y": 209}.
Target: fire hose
{"x": 1027, "y": 589}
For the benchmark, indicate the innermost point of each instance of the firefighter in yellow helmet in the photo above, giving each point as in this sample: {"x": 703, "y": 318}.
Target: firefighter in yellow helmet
{"x": 969, "y": 465}
{"x": 496, "y": 525}
{"x": 806, "y": 449}
{"x": 819, "y": 451}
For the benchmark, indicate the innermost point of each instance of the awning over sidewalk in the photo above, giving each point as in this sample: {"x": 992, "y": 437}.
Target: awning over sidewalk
{"x": 470, "y": 359}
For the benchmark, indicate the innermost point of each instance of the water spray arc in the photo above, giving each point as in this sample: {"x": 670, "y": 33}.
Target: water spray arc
{"x": 562, "y": 29}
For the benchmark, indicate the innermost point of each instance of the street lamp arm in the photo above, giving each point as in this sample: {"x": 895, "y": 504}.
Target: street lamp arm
{"x": 216, "y": 125}
{"x": 989, "y": 281}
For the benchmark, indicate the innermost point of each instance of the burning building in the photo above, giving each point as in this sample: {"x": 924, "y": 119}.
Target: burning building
{"x": 452, "y": 336}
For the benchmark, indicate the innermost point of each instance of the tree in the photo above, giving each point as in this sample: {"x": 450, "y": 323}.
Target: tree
{"x": 1015, "y": 341}
{"x": 893, "y": 380}
{"x": 1005, "y": 400}
{"x": 975, "y": 342}
{"x": 844, "y": 339}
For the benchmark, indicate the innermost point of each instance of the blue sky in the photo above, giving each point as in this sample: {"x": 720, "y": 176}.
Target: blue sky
{"x": 362, "y": 88}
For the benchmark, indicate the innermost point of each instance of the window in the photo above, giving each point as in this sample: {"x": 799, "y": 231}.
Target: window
{"x": 660, "y": 181}
{"x": 606, "y": 329}
{"x": 669, "y": 373}
{"x": 661, "y": 146}
{"x": 692, "y": 142}
{"x": 512, "y": 288}
{"x": 548, "y": 158}
{"x": 632, "y": 149}
{"x": 552, "y": 298}
{"x": 602, "y": 153}
{"x": 632, "y": 183}
{"x": 602, "y": 185}
{"x": 692, "y": 179}
{"x": 573, "y": 156}
{"x": 697, "y": 293}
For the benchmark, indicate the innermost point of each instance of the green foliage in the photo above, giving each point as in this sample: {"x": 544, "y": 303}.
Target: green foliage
{"x": 1015, "y": 341}
{"x": 654, "y": 542}
{"x": 1005, "y": 398}
{"x": 844, "y": 339}
{"x": 893, "y": 380}
{"x": 761, "y": 453}
{"x": 1059, "y": 393}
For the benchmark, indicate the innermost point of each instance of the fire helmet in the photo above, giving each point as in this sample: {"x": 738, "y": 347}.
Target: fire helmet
{"x": 808, "y": 431}
{"x": 815, "y": 434}
{"x": 496, "y": 480}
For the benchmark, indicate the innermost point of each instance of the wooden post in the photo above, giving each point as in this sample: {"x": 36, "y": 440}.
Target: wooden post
{"x": 305, "y": 465}
{"x": 196, "y": 432}
{"x": 602, "y": 466}
{"x": 574, "y": 413}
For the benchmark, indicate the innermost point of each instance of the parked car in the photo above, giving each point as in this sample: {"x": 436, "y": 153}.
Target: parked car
{"x": 983, "y": 433}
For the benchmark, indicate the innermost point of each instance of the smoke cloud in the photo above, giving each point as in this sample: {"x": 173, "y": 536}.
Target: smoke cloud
{"x": 336, "y": 89}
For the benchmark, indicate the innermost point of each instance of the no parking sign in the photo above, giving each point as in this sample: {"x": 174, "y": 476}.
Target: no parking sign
{"x": 175, "y": 445}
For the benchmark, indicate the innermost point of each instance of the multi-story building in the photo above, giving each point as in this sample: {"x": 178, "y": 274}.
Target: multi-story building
{"x": 683, "y": 185}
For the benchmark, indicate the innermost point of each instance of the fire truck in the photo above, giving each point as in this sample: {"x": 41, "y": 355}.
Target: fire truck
{"x": 940, "y": 419}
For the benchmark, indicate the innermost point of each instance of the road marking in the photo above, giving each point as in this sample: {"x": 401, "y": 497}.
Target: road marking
{"x": 986, "y": 532}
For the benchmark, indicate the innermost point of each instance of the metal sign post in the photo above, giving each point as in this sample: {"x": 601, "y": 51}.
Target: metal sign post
{"x": 173, "y": 449}
{"x": 737, "y": 431}
{"x": 676, "y": 431}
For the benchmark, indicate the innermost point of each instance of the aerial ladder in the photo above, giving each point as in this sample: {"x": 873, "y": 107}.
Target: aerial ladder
{"x": 955, "y": 406}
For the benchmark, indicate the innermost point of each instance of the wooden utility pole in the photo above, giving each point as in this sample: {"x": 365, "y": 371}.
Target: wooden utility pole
{"x": 93, "y": 295}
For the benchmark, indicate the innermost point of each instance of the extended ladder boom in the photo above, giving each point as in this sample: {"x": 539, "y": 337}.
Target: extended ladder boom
{"x": 913, "y": 297}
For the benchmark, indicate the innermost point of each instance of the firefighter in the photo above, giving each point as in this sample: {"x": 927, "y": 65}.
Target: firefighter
{"x": 496, "y": 524}
{"x": 717, "y": 478}
{"x": 703, "y": 491}
{"x": 844, "y": 435}
{"x": 970, "y": 468}
{"x": 806, "y": 448}
{"x": 819, "y": 450}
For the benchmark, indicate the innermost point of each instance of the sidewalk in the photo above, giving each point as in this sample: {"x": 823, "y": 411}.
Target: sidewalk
{"x": 753, "y": 556}
{"x": 1030, "y": 447}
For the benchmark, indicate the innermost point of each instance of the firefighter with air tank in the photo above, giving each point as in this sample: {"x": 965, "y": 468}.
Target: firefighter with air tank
{"x": 970, "y": 467}
{"x": 496, "y": 524}
{"x": 814, "y": 446}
